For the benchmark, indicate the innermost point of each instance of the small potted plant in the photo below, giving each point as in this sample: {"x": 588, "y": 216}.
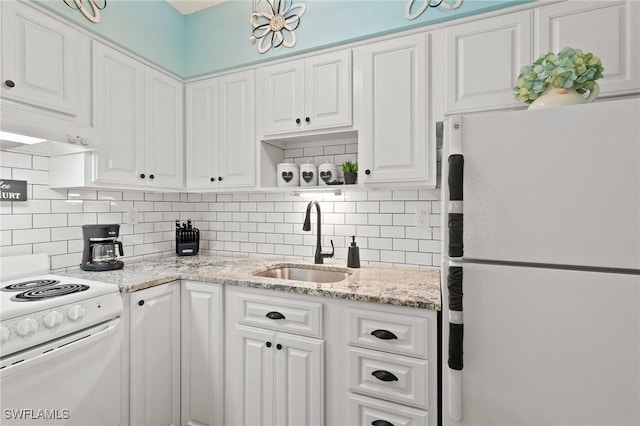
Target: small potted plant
{"x": 350, "y": 170}
{"x": 559, "y": 79}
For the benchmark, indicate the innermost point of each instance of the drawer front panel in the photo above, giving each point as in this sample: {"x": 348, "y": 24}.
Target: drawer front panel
{"x": 385, "y": 331}
{"x": 292, "y": 316}
{"x": 366, "y": 412}
{"x": 393, "y": 377}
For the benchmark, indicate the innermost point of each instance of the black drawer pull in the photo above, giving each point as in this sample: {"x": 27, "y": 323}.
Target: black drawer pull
{"x": 384, "y": 335}
{"x": 275, "y": 315}
{"x": 268, "y": 344}
{"x": 385, "y": 376}
{"x": 140, "y": 303}
{"x": 9, "y": 83}
{"x": 381, "y": 423}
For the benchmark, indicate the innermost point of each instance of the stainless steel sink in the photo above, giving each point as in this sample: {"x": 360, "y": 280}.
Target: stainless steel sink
{"x": 303, "y": 274}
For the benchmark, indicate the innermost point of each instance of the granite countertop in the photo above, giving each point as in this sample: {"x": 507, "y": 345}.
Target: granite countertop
{"x": 418, "y": 288}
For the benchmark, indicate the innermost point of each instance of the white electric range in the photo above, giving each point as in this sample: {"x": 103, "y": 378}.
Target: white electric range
{"x": 60, "y": 346}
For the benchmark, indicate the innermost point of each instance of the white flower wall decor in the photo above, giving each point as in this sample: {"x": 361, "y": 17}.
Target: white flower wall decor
{"x": 428, "y": 3}
{"x": 93, "y": 15}
{"x": 274, "y": 23}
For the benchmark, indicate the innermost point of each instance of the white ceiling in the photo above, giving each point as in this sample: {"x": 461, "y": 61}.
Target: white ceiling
{"x": 189, "y": 6}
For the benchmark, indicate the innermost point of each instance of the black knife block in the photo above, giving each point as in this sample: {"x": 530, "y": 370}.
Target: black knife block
{"x": 187, "y": 242}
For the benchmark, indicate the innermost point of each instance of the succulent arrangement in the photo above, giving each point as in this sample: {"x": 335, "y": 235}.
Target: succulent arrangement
{"x": 568, "y": 69}
{"x": 350, "y": 167}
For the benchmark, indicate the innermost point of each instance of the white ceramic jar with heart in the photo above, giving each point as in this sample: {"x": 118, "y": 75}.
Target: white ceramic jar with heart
{"x": 327, "y": 172}
{"x": 308, "y": 175}
{"x": 288, "y": 174}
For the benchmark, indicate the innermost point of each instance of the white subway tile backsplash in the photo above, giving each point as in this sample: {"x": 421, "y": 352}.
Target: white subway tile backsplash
{"x": 30, "y": 206}
{"x": 16, "y": 221}
{"x": 258, "y": 223}
{"x": 49, "y": 220}
{"x": 29, "y": 236}
{"x": 15, "y": 160}
{"x": 66, "y": 206}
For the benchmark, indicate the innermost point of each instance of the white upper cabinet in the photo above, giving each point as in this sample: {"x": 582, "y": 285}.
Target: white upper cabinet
{"x": 607, "y": 29}
{"x": 483, "y": 61}
{"x": 221, "y": 142}
{"x": 164, "y": 140}
{"x": 138, "y": 114}
{"x": 38, "y": 59}
{"x": 307, "y": 94}
{"x": 391, "y": 98}
{"x": 118, "y": 89}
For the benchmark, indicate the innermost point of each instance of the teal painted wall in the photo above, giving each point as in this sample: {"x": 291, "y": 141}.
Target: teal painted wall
{"x": 217, "y": 38}
{"x": 152, "y": 29}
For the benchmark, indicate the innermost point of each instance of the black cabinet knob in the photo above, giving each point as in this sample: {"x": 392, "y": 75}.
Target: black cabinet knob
{"x": 297, "y": 121}
{"x": 381, "y": 423}
{"x": 268, "y": 344}
{"x": 219, "y": 178}
{"x": 367, "y": 172}
{"x": 278, "y": 346}
{"x": 9, "y": 83}
{"x": 142, "y": 175}
{"x": 308, "y": 120}
{"x": 151, "y": 177}
{"x": 384, "y": 334}
{"x": 384, "y": 375}
{"x": 274, "y": 315}
{"x": 213, "y": 179}
{"x": 141, "y": 302}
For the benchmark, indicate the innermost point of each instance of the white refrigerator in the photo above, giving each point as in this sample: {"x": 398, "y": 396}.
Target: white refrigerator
{"x": 543, "y": 328}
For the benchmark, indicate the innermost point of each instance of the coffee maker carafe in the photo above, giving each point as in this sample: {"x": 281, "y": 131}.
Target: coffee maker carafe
{"x": 100, "y": 243}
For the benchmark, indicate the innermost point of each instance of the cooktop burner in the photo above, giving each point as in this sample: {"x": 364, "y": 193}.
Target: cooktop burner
{"x": 29, "y": 285}
{"x": 48, "y": 292}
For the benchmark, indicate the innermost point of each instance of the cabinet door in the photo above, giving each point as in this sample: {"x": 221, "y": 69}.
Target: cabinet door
{"x": 202, "y": 371}
{"x": 237, "y": 144}
{"x": 299, "y": 380}
{"x": 202, "y": 134}
{"x": 606, "y": 29}
{"x": 282, "y": 100}
{"x": 118, "y": 88}
{"x": 480, "y": 78}
{"x": 38, "y": 56}
{"x": 392, "y": 111}
{"x": 250, "y": 378}
{"x": 327, "y": 90}
{"x": 164, "y": 145}
{"x": 155, "y": 356}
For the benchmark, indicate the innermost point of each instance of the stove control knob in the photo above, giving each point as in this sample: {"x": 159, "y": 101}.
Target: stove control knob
{"x": 52, "y": 319}
{"x": 76, "y": 312}
{"x": 27, "y": 327}
{"x": 4, "y": 334}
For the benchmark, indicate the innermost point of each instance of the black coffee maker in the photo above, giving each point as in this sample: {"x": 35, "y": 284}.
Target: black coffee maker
{"x": 99, "y": 252}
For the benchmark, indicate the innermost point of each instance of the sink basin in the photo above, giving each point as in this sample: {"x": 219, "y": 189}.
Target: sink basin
{"x": 303, "y": 274}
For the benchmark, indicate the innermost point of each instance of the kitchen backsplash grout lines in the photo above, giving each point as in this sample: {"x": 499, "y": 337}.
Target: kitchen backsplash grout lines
{"x": 264, "y": 224}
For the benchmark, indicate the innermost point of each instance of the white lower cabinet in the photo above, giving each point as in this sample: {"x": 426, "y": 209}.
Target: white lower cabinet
{"x": 202, "y": 367}
{"x": 154, "y": 343}
{"x": 272, "y": 377}
{"x": 374, "y": 412}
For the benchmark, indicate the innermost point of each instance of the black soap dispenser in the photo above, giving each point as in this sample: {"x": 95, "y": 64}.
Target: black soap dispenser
{"x": 353, "y": 257}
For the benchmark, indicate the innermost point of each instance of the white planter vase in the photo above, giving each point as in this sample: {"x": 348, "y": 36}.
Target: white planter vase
{"x": 558, "y": 96}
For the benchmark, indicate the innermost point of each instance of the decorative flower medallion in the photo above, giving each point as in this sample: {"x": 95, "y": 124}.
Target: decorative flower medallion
{"x": 274, "y": 23}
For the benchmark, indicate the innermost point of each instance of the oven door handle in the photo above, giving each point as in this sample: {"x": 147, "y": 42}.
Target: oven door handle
{"x": 30, "y": 358}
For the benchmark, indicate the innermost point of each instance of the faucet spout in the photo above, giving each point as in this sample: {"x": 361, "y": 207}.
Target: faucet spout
{"x": 319, "y": 255}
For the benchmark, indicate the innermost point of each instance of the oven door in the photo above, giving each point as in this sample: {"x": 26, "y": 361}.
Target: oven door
{"x": 74, "y": 380}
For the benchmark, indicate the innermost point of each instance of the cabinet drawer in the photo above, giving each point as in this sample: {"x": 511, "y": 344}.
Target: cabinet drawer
{"x": 394, "y": 377}
{"x": 292, "y": 316}
{"x": 367, "y": 411}
{"x": 385, "y": 331}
